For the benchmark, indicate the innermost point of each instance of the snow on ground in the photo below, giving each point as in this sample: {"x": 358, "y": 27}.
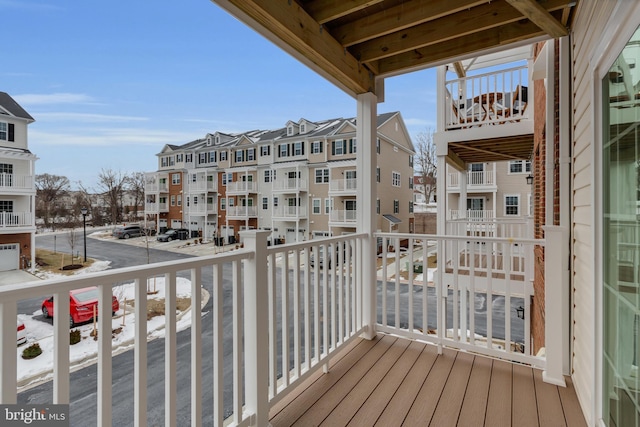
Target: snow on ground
{"x": 430, "y": 273}
{"x": 85, "y": 352}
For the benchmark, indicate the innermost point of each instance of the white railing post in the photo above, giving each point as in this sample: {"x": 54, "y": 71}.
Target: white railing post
{"x": 556, "y": 304}
{"x": 8, "y": 361}
{"x": 256, "y": 324}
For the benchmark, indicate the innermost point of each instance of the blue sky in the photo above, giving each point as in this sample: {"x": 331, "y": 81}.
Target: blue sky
{"x": 109, "y": 83}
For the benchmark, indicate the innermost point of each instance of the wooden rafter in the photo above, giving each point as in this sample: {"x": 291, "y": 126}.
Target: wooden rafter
{"x": 459, "y": 69}
{"x": 465, "y": 45}
{"x": 328, "y": 10}
{"x": 494, "y": 154}
{"x": 397, "y": 18}
{"x": 289, "y": 23}
{"x": 540, "y": 16}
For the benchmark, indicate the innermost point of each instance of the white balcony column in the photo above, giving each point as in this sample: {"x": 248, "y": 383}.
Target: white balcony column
{"x": 256, "y": 324}
{"x": 366, "y": 162}
{"x": 61, "y": 349}
{"x": 8, "y": 360}
{"x": 556, "y": 301}
{"x": 463, "y": 177}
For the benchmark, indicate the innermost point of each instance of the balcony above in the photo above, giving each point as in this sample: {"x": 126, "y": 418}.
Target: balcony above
{"x": 477, "y": 181}
{"x": 156, "y": 187}
{"x": 14, "y": 220}
{"x": 344, "y": 218}
{"x": 242, "y": 212}
{"x": 16, "y": 184}
{"x": 487, "y": 117}
{"x": 156, "y": 208}
{"x": 343, "y": 187}
{"x": 290, "y": 185}
{"x": 242, "y": 187}
{"x": 202, "y": 209}
{"x": 290, "y": 213}
{"x": 202, "y": 186}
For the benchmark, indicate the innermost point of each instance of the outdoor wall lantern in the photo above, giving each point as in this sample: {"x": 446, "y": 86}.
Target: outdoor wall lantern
{"x": 530, "y": 179}
{"x": 520, "y": 311}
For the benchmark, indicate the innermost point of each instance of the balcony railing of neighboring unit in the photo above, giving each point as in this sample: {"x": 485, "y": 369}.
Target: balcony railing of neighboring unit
{"x": 18, "y": 182}
{"x": 156, "y": 207}
{"x": 470, "y": 215}
{"x": 474, "y": 178}
{"x": 15, "y": 219}
{"x": 241, "y": 187}
{"x": 283, "y": 328}
{"x": 489, "y": 227}
{"x": 342, "y": 215}
{"x": 202, "y": 208}
{"x": 156, "y": 188}
{"x": 346, "y": 185}
{"x": 490, "y": 98}
{"x": 243, "y": 211}
{"x": 290, "y": 212}
{"x": 290, "y": 184}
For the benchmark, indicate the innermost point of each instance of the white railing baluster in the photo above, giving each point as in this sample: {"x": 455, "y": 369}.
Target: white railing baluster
{"x": 329, "y": 265}
{"x": 307, "y": 309}
{"x": 285, "y": 305}
{"x": 273, "y": 349}
{"x": 238, "y": 329}
{"x": 316, "y": 305}
{"x": 507, "y": 262}
{"x": 410, "y": 286}
{"x": 296, "y": 311}
{"x": 383, "y": 294}
{"x": 218, "y": 349}
{"x": 456, "y": 301}
{"x": 8, "y": 365}
{"x": 472, "y": 292}
{"x": 339, "y": 268}
{"x": 104, "y": 355}
{"x": 325, "y": 303}
{"x": 170, "y": 351}
{"x": 61, "y": 348}
{"x": 490, "y": 249}
{"x": 397, "y": 284}
{"x": 140, "y": 352}
{"x": 196, "y": 348}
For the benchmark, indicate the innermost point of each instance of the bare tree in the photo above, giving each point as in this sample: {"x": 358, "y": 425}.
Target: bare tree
{"x": 49, "y": 191}
{"x": 426, "y": 162}
{"x": 72, "y": 239}
{"x": 136, "y": 190}
{"x": 112, "y": 186}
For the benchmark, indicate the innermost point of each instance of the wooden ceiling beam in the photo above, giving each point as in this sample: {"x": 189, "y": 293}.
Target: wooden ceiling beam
{"x": 495, "y": 155}
{"x": 328, "y": 10}
{"x": 461, "y": 46}
{"x": 484, "y": 17}
{"x": 289, "y": 25}
{"x": 537, "y": 14}
{"x": 459, "y": 69}
{"x": 405, "y": 15}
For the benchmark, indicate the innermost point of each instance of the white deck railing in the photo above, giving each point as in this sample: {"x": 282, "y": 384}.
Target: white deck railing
{"x": 16, "y": 182}
{"x": 16, "y": 219}
{"x": 278, "y": 316}
{"x": 489, "y": 98}
{"x": 474, "y": 178}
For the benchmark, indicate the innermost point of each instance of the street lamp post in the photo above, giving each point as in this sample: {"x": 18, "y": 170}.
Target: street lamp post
{"x": 84, "y": 227}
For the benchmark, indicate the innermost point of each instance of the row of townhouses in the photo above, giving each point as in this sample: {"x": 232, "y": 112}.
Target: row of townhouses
{"x": 17, "y": 187}
{"x": 298, "y": 181}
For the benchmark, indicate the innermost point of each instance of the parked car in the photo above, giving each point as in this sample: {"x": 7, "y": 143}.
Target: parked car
{"x": 332, "y": 256}
{"x": 22, "y": 333}
{"x": 81, "y": 303}
{"x": 126, "y": 231}
{"x": 173, "y": 234}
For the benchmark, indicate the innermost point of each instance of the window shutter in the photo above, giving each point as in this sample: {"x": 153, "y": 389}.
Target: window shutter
{"x": 11, "y": 132}
{"x": 333, "y": 148}
{"x": 344, "y": 146}
{"x": 302, "y": 146}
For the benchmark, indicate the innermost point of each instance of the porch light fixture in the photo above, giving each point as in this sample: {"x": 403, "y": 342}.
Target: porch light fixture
{"x": 520, "y": 312}
{"x": 530, "y": 179}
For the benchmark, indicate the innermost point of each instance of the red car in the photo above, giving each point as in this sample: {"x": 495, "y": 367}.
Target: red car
{"x": 81, "y": 303}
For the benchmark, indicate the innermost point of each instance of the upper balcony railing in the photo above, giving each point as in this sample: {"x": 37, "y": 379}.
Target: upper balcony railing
{"x": 471, "y": 215}
{"x": 290, "y": 212}
{"x": 343, "y": 216}
{"x": 283, "y": 328}
{"x": 151, "y": 207}
{"x": 290, "y": 185}
{"x": 490, "y": 98}
{"x": 242, "y": 211}
{"x": 346, "y": 185}
{"x": 202, "y": 185}
{"x": 156, "y": 187}
{"x": 9, "y": 181}
{"x": 242, "y": 187}
{"x": 475, "y": 179}
{"x": 16, "y": 219}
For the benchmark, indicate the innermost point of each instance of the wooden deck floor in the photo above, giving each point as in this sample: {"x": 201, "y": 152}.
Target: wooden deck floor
{"x": 392, "y": 381}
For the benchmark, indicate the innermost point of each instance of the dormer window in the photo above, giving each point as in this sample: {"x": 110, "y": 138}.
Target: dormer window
{"x": 217, "y": 139}
{"x": 289, "y": 130}
{"x": 208, "y": 142}
{"x": 303, "y": 128}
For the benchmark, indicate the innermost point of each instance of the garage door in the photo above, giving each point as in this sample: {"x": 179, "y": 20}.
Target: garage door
{"x": 9, "y": 255}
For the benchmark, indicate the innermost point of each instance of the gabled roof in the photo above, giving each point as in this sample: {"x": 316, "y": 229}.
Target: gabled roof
{"x": 9, "y": 107}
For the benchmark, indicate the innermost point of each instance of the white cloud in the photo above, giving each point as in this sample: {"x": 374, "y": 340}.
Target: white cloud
{"x": 108, "y": 137}
{"x": 32, "y": 99}
{"x": 86, "y": 117}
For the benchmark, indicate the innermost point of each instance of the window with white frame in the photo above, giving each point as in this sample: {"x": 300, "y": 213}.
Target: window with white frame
{"x": 377, "y": 174}
{"x": 395, "y": 179}
{"x": 223, "y": 156}
{"x": 298, "y": 149}
{"x": 251, "y": 154}
{"x": 179, "y": 200}
{"x": 275, "y": 202}
{"x": 512, "y": 205}
{"x": 327, "y": 206}
{"x": 316, "y": 206}
{"x": 7, "y": 131}
{"x": 339, "y": 147}
{"x": 322, "y": 176}
{"x": 378, "y": 206}
{"x": 230, "y": 202}
{"x": 378, "y": 145}
{"x": 223, "y": 204}
{"x": 179, "y": 157}
{"x": 410, "y": 207}
{"x": 265, "y": 150}
{"x": 212, "y": 156}
{"x": 519, "y": 166}
{"x": 239, "y": 156}
{"x": 284, "y": 150}
{"x": 316, "y": 147}
{"x": 175, "y": 178}
{"x": 173, "y": 200}
{"x": 265, "y": 203}
{"x": 396, "y": 206}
